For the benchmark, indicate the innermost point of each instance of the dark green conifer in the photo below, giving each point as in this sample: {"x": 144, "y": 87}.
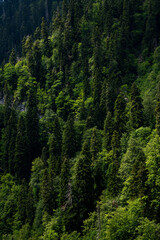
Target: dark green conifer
{"x": 84, "y": 184}
{"x": 113, "y": 180}
{"x": 157, "y": 110}
{"x": 136, "y": 107}
{"x": 12, "y": 58}
{"x": 30, "y": 206}
{"x": 55, "y": 145}
{"x": 68, "y": 139}
{"x": 138, "y": 177}
{"x": 32, "y": 128}
{"x": 94, "y": 146}
{"x": 7, "y": 104}
{"x": 22, "y": 199}
{"x": 12, "y": 125}
{"x": 46, "y": 42}
{"x": 47, "y": 193}
{"x": 64, "y": 181}
{"x": 119, "y": 115}
{"x": 108, "y": 131}
{"x": 20, "y": 158}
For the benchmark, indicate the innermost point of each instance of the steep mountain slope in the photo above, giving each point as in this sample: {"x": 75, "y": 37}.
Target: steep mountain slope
{"x": 80, "y": 125}
{"x": 20, "y": 18}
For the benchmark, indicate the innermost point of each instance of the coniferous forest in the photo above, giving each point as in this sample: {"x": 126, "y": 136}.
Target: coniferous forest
{"x": 80, "y": 120}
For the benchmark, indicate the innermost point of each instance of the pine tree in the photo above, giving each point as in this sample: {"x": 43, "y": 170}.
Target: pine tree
{"x": 136, "y": 107}
{"x": 119, "y": 115}
{"x": 68, "y": 139}
{"x": 7, "y": 104}
{"x": 113, "y": 180}
{"x": 37, "y": 66}
{"x": 12, "y": 125}
{"x": 47, "y": 193}
{"x": 108, "y": 131}
{"x": 46, "y": 42}
{"x": 97, "y": 76}
{"x": 12, "y": 58}
{"x": 55, "y": 145}
{"x": 20, "y": 158}
{"x": 138, "y": 177}
{"x": 30, "y": 206}
{"x": 157, "y": 110}
{"x": 64, "y": 181}
{"x": 94, "y": 146}
{"x": 22, "y": 198}
{"x": 83, "y": 186}
{"x": 54, "y": 157}
{"x": 32, "y": 128}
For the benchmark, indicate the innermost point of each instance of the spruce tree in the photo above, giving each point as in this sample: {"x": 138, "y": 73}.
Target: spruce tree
{"x": 94, "y": 146}
{"x": 12, "y": 58}
{"x": 20, "y": 158}
{"x": 157, "y": 110}
{"x": 136, "y": 107}
{"x": 83, "y": 186}
{"x": 47, "y": 193}
{"x": 138, "y": 176}
{"x": 119, "y": 115}
{"x": 22, "y": 198}
{"x": 64, "y": 181}
{"x": 46, "y": 42}
{"x": 108, "y": 131}
{"x": 12, "y": 125}
{"x": 32, "y": 128}
{"x": 68, "y": 139}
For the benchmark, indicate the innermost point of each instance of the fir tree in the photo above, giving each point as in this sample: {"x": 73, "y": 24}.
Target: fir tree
{"x": 94, "y": 146}
{"x": 136, "y": 107}
{"x": 108, "y": 131}
{"x": 47, "y": 193}
{"x": 83, "y": 185}
{"x": 46, "y": 41}
{"x": 65, "y": 176}
{"x": 32, "y": 128}
{"x": 20, "y": 159}
{"x": 12, "y": 125}
{"x": 157, "y": 110}
{"x": 12, "y": 58}
{"x": 68, "y": 139}
{"x": 22, "y": 198}
{"x": 119, "y": 115}
{"x": 138, "y": 177}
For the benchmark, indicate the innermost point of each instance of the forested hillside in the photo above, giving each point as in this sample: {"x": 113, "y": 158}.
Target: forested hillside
{"x": 80, "y": 124}
{"x": 19, "y": 18}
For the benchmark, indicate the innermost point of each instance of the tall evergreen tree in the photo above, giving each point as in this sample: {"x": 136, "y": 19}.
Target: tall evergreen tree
{"x": 45, "y": 39}
{"x": 12, "y": 58}
{"x": 83, "y": 185}
{"x": 47, "y": 193}
{"x": 12, "y": 125}
{"x": 138, "y": 177}
{"x": 108, "y": 131}
{"x": 55, "y": 145}
{"x": 20, "y": 158}
{"x": 94, "y": 146}
{"x": 119, "y": 115}
{"x": 32, "y": 128}
{"x": 157, "y": 110}
{"x": 68, "y": 139}
{"x": 136, "y": 107}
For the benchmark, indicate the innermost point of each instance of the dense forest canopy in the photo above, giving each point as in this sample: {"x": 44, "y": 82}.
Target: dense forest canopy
{"x": 80, "y": 120}
{"x": 19, "y": 18}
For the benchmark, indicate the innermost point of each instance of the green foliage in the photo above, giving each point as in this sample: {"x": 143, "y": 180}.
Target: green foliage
{"x": 136, "y": 107}
{"x": 123, "y": 223}
{"x": 79, "y": 137}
